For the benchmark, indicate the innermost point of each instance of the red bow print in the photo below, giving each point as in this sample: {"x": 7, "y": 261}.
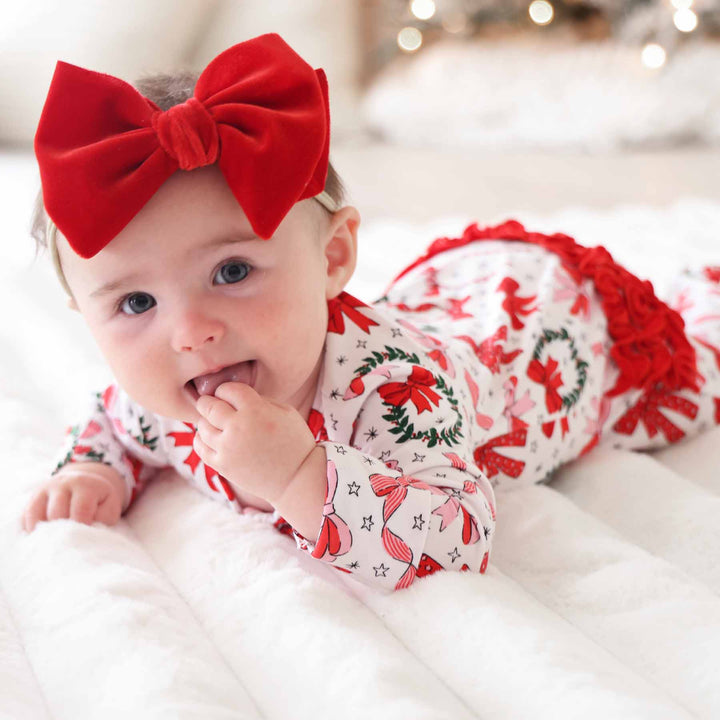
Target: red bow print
{"x": 546, "y": 375}
{"x": 417, "y": 389}
{"x": 346, "y": 304}
{"x": 395, "y": 490}
{"x": 647, "y": 411}
{"x": 335, "y": 537}
{"x": 492, "y": 463}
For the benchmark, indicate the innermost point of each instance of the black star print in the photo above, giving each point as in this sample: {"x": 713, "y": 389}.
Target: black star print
{"x": 385, "y": 455}
{"x": 353, "y": 489}
{"x": 455, "y": 493}
{"x": 353, "y": 565}
{"x": 454, "y": 555}
{"x": 418, "y": 522}
{"x": 334, "y": 394}
{"x": 368, "y": 460}
{"x": 371, "y": 434}
{"x": 381, "y": 570}
{"x": 341, "y": 450}
{"x": 418, "y": 458}
{"x": 367, "y": 523}
{"x": 396, "y": 332}
{"x": 361, "y": 343}
{"x": 341, "y": 360}
{"x": 486, "y": 531}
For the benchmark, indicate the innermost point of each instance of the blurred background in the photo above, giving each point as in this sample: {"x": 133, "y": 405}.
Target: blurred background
{"x": 480, "y": 108}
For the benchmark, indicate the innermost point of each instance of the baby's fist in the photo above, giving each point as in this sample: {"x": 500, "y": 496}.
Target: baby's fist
{"x": 84, "y": 492}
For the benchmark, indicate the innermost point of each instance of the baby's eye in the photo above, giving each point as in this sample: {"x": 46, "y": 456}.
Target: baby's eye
{"x": 137, "y": 302}
{"x": 233, "y": 272}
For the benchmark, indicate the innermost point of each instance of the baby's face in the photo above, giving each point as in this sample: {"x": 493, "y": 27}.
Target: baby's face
{"x": 205, "y": 293}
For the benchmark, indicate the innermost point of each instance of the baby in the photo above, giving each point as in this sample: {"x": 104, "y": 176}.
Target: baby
{"x": 373, "y": 435}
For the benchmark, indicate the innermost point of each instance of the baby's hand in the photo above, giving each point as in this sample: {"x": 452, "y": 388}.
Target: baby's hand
{"x": 86, "y": 492}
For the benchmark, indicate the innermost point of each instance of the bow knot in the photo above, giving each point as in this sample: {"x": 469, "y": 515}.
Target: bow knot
{"x": 188, "y": 133}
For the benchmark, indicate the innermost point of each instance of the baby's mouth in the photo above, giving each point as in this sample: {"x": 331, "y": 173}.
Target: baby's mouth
{"x": 208, "y": 384}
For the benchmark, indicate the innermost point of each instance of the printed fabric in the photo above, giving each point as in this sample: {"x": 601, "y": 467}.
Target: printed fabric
{"x": 484, "y": 364}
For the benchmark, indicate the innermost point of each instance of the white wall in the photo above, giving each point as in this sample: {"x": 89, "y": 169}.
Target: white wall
{"x": 324, "y": 32}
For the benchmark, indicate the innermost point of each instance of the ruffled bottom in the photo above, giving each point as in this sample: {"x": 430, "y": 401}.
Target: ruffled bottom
{"x": 650, "y": 347}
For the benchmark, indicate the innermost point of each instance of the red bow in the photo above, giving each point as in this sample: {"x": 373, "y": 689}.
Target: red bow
{"x": 546, "y": 375}
{"x": 104, "y": 149}
{"x": 417, "y": 389}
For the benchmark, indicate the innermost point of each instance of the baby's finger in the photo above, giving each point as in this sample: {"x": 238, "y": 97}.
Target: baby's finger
{"x": 216, "y": 412}
{"x": 209, "y": 433}
{"x": 36, "y": 511}
{"x": 58, "y": 505}
{"x": 83, "y": 506}
{"x": 109, "y": 510}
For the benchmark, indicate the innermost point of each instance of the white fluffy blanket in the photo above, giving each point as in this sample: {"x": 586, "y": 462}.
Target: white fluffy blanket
{"x": 600, "y": 601}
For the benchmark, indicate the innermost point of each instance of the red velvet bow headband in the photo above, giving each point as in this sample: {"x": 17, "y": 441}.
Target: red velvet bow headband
{"x": 104, "y": 149}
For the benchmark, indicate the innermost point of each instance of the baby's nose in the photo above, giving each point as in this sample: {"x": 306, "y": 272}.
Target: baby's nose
{"x": 193, "y": 330}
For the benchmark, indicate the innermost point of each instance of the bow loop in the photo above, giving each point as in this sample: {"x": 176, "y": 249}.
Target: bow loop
{"x": 187, "y": 132}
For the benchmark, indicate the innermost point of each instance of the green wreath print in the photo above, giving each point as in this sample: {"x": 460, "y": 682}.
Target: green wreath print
{"x": 423, "y": 389}
{"x": 541, "y": 374}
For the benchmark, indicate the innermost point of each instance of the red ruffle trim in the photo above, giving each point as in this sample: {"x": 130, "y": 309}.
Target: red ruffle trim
{"x": 650, "y": 345}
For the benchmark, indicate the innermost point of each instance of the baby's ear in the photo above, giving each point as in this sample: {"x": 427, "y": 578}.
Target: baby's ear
{"x": 341, "y": 249}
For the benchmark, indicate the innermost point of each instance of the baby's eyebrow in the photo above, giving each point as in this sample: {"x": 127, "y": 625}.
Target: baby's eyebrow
{"x": 113, "y": 285}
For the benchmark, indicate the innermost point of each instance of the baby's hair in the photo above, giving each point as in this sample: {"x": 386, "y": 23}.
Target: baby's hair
{"x": 166, "y": 91}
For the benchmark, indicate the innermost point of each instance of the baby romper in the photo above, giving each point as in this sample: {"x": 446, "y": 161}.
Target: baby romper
{"x": 485, "y": 363}
{"x": 553, "y": 316}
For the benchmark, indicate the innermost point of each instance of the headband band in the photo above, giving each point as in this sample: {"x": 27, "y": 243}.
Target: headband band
{"x": 323, "y": 198}
{"x": 258, "y": 110}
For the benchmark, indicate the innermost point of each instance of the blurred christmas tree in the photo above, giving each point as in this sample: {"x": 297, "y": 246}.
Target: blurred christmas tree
{"x": 656, "y": 27}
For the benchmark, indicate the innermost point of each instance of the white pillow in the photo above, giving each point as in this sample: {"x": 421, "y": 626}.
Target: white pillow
{"x": 532, "y": 95}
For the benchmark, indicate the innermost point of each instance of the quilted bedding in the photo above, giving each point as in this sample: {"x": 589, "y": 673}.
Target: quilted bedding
{"x": 601, "y": 598}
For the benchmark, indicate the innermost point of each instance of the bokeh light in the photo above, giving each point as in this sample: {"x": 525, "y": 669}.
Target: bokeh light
{"x": 422, "y": 9}
{"x": 653, "y": 56}
{"x": 541, "y": 12}
{"x": 409, "y": 39}
{"x": 685, "y": 20}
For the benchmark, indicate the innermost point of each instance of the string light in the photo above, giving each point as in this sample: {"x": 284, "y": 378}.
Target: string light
{"x": 541, "y": 12}
{"x": 685, "y": 20}
{"x": 422, "y": 9}
{"x": 409, "y": 39}
{"x": 653, "y": 56}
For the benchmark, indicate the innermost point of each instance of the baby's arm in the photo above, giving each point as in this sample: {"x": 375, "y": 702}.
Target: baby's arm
{"x": 398, "y": 506}
{"x": 105, "y": 462}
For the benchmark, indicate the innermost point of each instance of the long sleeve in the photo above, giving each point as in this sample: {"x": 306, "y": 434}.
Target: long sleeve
{"x": 403, "y": 496}
{"x": 117, "y": 432}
